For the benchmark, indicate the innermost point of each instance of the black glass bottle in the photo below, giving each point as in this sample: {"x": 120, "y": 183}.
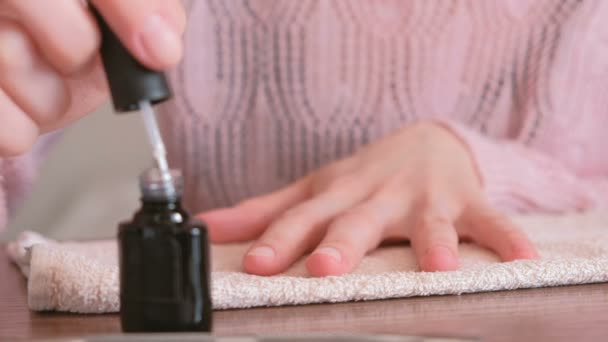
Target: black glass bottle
{"x": 164, "y": 263}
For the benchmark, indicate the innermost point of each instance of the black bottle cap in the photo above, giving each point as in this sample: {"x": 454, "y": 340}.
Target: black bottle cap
{"x": 130, "y": 82}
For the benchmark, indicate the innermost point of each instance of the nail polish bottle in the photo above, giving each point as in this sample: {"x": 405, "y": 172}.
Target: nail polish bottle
{"x": 164, "y": 263}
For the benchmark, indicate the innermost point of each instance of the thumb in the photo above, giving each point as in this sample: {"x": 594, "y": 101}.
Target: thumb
{"x": 249, "y": 219}
{"x": 493, "y": 230}
{"x": 150, "y": 29}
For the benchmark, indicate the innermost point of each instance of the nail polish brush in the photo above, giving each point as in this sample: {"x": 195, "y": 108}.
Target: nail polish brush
{"x": 134, "y": 87}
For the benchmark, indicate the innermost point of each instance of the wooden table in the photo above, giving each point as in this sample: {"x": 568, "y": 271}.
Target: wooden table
{"x": 574, "y": 313}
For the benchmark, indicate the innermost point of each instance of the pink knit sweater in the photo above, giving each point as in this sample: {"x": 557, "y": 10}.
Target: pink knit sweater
{"x": 270, "y": 90}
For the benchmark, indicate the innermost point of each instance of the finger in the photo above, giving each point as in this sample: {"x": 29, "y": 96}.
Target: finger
{"x": 88, "y": 90}
{"x": 497, "y": 232}
{"x": 435, "y": 241}
{"x": 63, "y": 30}
{"x": 247, "y": 220}
{"x": 150, "y": 29}
{"x": 27, "y": 78}
{"x": 17, "y": 132}
{"x": 301, "y": 227}
{"x": 350, "y": 236}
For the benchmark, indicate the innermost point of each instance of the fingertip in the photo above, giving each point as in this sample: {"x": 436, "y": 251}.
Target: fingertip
{"x": 80, "y": 58}
{"x": 523, "y": 251}
{"x": 52, "y": 28}
{"x": 28, "y": 79}
{"x": 212, "y": 215}
{"x": 211, "y": 231}
{"x": 18, "y": 132}
{"x": 236, "y": 224}
{"x": 151, "y": 30}
{"x": 327, "y": 261}
{"x": 262, "y": 261}
{"x": 439, "y": 259}
{"x": 159, "y": 44}
{"x": 178, "y": 18}
{"x": 220, "y": 224}
{"x": 517, "y": 246}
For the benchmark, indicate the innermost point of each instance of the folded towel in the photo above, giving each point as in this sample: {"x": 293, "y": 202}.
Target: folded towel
{"x": 83, "y": 276}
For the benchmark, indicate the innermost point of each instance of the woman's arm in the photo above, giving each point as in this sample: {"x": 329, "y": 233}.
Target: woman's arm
{"x": 520, "y": 178}
{"x": 563, "y": 166}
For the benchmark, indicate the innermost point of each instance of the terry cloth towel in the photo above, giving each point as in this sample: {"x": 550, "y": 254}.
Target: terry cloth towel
{"x": 83, "y": 276}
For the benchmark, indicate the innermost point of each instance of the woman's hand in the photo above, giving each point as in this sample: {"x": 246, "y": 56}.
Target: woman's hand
{"x": 49, "y": 70}
{"x": 419, "y": 184}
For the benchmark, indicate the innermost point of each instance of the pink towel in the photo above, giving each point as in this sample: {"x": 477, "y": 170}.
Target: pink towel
{"x": 83, "y": 276}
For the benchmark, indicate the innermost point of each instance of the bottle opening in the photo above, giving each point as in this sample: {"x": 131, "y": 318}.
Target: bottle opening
{"x": 158, "y": 186}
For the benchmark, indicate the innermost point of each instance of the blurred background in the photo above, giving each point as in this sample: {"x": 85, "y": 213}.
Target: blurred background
{"x": 89, "y": 181}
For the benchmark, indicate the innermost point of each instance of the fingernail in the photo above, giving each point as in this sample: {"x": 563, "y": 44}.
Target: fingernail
{"x": 160, "y": 41}
{"x": 332, "y": 252}
{"x": 263, "y": 251}
{"x": 440, "y": 258}
{"x": 441, "y": 251}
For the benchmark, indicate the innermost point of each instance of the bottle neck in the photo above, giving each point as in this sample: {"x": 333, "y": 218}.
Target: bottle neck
{"x": 161, "y": 213}
{"x": 171, "y": 204}
{"x": 157, "y": 188}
